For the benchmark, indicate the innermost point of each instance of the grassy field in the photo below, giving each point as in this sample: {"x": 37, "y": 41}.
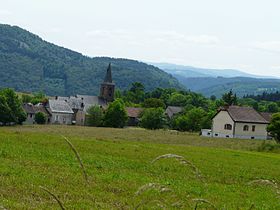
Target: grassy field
{"x": 118, "y": 163}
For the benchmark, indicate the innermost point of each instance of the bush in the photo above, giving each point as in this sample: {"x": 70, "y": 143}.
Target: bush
{"x": 153, "y": 118}
{"x": 116, "y": 115}
{"x": 269, "y": 147}
{"x": 94, "y": 116}
{"x": 40, "y": 118}
{"x": 274, "y": 127}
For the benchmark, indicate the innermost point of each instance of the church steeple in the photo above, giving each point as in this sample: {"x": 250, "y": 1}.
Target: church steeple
{"x": 108, "y": 77}
{"x": 107, "y": 89}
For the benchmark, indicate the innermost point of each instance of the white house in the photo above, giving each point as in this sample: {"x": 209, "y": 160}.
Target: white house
{"x": 239, "y": 122}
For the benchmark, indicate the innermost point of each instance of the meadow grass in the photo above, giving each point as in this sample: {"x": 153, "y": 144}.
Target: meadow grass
{"x": 118, "y": 165}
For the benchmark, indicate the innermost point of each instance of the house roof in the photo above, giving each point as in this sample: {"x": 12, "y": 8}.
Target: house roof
{"x": 245, "y": 114}
{"x": 89, "y": 101}
{"x": 266, "y": 115}
{"x": 41, "y": 108}
{"x": 73, "y": 101}
{"x": 133, "y": 112}
{"x": 172, "y": 110}
{"x": 60, "y": 106}
{"x": 28, "y": 108}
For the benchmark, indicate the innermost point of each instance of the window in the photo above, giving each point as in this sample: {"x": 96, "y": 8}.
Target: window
{"x": 253, "y": 128}
{"x": 228, "y": 127}
{"x": 56, "y": 117}
{"x": 216, "y": 134}
{"x": 246, "y": 128}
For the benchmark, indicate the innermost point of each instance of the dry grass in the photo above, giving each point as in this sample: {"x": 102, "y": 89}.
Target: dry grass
{"x": 160, "y": 188}
{"x": 182, "y": 160}
{"x": 203, "y": 201}
{"x": 54, "y": 196}
{"x": 78, "y": 159}
{"x": 265, "y": 182}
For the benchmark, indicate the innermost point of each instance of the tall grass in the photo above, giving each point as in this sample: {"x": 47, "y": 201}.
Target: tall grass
{"x": 78, "y": 159}
{"x": 182, "y": 160}
{"x": 54, "y": 196}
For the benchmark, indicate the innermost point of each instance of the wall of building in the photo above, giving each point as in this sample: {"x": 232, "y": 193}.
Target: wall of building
{"x": 61, "y": 118}
{"x": 30, "y": 119}
{"x": 219, "y": 122}
{"x": 80, "y": 118}
{"x": 259, "y": 133}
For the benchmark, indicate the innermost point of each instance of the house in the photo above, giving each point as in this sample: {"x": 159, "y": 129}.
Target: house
{"x": 30, "y": 112}
{"x": 61, "y": 112}
{"x": 238, "y": 122}
{"x": 41, "y": 108}
{"x": 133, "y": 115}
{"x": 173, "y": 110}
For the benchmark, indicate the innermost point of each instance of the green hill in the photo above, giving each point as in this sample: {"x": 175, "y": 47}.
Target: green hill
{"x": 240, "y": 85}
{"x": 28, "y": 63}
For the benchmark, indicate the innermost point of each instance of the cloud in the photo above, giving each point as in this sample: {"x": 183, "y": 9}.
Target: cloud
{"x": 267, "y": 46}
{"x": 5, "y": 13}
{"x": 172, "y": 37}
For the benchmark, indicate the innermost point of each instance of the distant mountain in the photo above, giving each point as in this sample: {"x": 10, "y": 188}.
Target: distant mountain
{"x": 189, "y": 71}
{"x": 28, "y": 63}
{"x": 240, "y": 85}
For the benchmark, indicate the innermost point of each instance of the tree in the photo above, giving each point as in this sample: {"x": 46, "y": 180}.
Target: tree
{"x": 5, "y": 111}
{"x": 274, "y": 127}
{"x": 40, "y": 118}
{"x": 193, "y": 120}
{"x": 17, "y": 113}
{"x": 153, "y": 103}
{"x": 178, "y": 99}
{"x": 94, "y": 116}
{"x": 116, "y": 115}
{"x": 153, "y": 118}
{"x": 272, "y": 107}
{"x": 230, "y": 98}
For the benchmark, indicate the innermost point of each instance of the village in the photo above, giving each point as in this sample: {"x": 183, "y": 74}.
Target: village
{"x": 230, "y": 121}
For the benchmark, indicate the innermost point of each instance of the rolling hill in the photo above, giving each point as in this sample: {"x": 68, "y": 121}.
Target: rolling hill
{"x": 30, "y": 64}
{"x": 218, "y": 81}
{"x": 240, "y": 85}
{"x": 189, "y": 71}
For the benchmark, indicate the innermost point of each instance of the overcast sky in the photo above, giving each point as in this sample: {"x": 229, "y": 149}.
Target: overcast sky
{"x": 240, "y": 34}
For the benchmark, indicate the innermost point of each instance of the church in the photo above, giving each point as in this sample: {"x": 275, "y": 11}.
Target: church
{"x": 60, "y": 107}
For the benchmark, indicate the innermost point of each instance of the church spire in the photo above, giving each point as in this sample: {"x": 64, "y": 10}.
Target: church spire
{"x": 108, "y": 77}
{"x": 107, "y": 88}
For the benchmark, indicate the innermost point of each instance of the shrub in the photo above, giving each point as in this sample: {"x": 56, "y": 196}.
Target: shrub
{"x": 153, "y": 118}
{"x": 40, "y": 118}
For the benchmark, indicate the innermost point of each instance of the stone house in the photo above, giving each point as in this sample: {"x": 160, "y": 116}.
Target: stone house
{"x": 30, "y": 112}
{"x": 238, "y": 122}
{"x": 61, "y": 112}
{"x": 133, "y": 115}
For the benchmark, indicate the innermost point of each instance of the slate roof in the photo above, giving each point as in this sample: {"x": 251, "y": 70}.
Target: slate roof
{"x": 28, "y": 108}
{"x": 133, "y": 112}
{"x": 89, "y": 101}
{"x": 60, "y": 106}
{"x": 172, "y": 110}
{"x": 245, "y": 114}
{"x": 41, "y": 108}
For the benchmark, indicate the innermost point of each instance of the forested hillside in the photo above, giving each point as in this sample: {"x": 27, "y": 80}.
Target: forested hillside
{"x": 28, "y": 63}
{"x": 240, "y": 85}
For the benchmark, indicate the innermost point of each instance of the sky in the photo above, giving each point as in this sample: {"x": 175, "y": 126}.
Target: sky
{"x": 231, "y": 34}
